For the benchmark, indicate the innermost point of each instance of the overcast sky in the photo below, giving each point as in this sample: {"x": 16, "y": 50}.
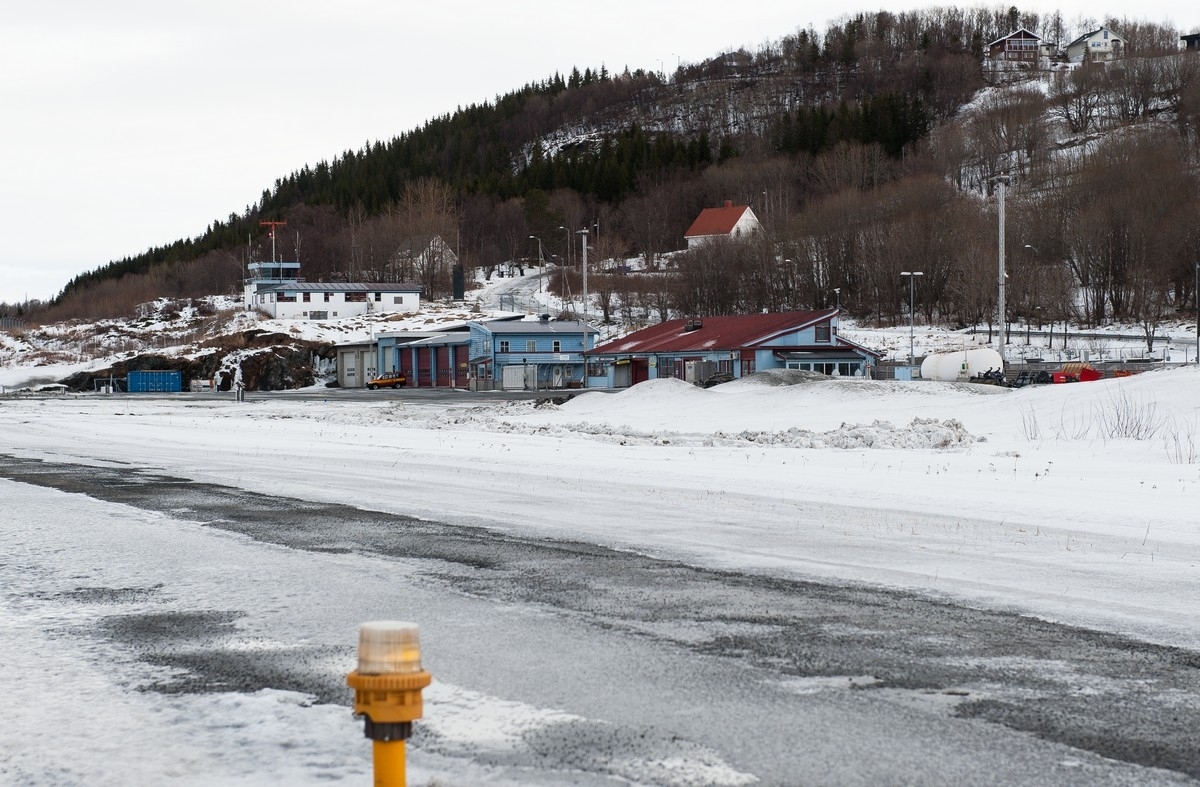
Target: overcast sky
{"x": 131, "y": 124}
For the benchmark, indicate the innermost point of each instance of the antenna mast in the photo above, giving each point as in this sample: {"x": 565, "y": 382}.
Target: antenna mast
{"x": 272, "y": 225}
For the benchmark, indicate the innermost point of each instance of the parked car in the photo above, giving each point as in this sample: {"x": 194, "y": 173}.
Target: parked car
{"x": 393, "y": 380}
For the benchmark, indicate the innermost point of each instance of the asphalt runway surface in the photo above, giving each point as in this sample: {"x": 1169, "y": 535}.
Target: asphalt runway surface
{"x": 1030, "y": 701}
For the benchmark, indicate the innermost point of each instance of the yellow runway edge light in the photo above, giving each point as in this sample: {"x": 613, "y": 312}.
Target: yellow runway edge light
{"x": 387, "y": 692}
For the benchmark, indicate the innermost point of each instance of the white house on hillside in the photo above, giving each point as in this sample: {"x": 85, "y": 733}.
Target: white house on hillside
{"x": 332, "y": 301}
{"x": 728, "y": 221}
{"x": 1102, "y": 44}
{"x": 422, "y": 252}
{"x": 277, "y": 289}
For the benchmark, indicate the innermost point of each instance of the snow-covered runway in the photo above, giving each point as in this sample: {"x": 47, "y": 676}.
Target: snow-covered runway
{"x": 1036, "y": 501}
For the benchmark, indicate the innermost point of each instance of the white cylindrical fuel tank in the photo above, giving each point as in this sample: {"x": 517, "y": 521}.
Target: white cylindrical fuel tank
{"x": 959, "y": 365}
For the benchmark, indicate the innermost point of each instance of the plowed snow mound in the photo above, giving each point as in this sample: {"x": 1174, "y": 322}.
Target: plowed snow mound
{"x": 656, "y": 389}
{"x": 921, "y": 433}
{"x": 774, "y": 377}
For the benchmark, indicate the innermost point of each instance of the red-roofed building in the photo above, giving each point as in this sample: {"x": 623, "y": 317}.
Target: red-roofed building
{"x": 697, "y": 349}
{"x": 727, "y": 221}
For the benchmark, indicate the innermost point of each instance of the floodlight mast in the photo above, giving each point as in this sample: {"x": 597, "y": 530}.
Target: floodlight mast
{"x": 1001, "y": 184}
{"x": 912, "y": 275}
{"x": 583, "y": 235}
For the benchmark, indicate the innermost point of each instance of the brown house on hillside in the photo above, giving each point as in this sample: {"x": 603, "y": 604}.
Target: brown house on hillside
{"x": 1019, "y": 47}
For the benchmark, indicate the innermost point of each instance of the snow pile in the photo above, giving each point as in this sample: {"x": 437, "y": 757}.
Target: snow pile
{"x": 674, "y": 413}
{"x": 922, "y": 433}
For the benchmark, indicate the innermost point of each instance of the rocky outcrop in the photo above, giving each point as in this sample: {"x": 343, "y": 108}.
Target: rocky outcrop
{"x": 268, "y": 362}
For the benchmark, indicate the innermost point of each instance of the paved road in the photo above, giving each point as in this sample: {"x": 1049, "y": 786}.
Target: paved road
{"x": 516, "y": 293}
{"x": 793, "y": 682}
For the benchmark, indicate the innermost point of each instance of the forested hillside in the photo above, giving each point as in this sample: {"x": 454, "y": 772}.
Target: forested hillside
{"x": 866, "y": 150}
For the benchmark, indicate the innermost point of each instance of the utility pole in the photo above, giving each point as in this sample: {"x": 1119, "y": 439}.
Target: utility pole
{"x": 541, "y": 260}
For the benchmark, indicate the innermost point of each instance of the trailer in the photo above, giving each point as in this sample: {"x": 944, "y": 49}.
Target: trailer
{"x": 1077, "y": 373}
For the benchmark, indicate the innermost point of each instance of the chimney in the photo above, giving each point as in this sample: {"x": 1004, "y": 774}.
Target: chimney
{"x": 729, "y": 203}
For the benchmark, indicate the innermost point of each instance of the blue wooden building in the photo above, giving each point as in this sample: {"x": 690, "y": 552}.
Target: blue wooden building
{"x": 529, "y": 354}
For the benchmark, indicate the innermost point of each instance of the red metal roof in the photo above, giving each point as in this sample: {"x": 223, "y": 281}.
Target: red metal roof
{"x": 737, "y": 332}
{"x": 716, "y": 221}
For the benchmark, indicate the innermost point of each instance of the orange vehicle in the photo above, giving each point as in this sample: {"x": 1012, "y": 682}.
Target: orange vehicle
{"x": 392, "y": 380}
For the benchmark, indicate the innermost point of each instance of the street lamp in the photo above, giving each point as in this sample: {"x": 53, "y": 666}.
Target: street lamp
{"x": 911, "y": 327}
{"x": 568, "y": 252}
{"x": 837, "y": 294}
{"x": 1038, "y": 294}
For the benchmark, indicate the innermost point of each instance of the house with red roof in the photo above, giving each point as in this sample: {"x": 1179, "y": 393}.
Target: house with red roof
{"x": 727, "y": 221}
{"x": 698, "y": 350}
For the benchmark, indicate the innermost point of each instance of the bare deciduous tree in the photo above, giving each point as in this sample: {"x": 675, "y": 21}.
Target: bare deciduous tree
{"x": 1076, "y": 97}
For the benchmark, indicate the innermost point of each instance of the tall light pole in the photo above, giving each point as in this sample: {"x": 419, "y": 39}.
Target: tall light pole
{"x": 583, "y": 235}
{"x": 911, "y": 316}
{"x": 837, "y": 293}
{"x": 1001, "y": 183}
{"x": 541, "y": 260}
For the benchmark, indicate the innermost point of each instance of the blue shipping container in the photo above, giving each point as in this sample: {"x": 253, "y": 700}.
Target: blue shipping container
{"x": 147, "y": 382}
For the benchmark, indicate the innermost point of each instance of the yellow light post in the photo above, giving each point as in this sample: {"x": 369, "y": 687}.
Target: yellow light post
{"x": 387, "y": 693}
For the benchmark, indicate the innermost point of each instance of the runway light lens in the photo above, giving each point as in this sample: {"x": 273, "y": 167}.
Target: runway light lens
{"x": 387, "y": 647}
